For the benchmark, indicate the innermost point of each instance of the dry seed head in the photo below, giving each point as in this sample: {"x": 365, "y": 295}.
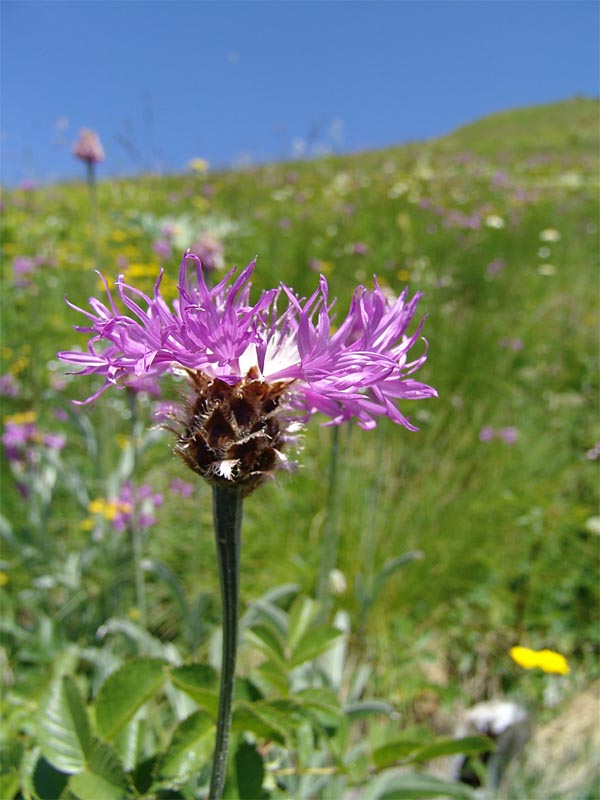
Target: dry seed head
{"x": 234, "y": 433}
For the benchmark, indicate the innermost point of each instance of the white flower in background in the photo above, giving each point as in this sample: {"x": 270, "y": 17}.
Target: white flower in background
{"x": 495, "y": 221}
{"x": 550, "y": 235}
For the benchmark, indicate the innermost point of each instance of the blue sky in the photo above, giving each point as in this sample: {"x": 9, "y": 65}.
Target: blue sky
{"x": 238, "y": 82}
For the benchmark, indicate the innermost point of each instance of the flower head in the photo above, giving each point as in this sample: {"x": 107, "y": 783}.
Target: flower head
{"x": 256, "y": 370}
{"x": 88, "y": 147}
{"x": 547, "y": 660}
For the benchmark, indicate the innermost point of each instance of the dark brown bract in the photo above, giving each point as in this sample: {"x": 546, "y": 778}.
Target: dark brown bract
{"x": 233, "y": 434}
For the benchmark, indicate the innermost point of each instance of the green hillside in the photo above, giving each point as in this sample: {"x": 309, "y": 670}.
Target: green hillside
{"x": 497, "y": 225}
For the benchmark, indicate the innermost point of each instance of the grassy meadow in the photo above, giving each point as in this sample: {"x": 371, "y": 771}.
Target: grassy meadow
{"x": 497, "y": 225}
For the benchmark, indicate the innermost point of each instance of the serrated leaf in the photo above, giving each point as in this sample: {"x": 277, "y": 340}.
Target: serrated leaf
{"x": 127, "y": 743}
{"x": 261, "y": 719}
{"x": 469, "y": 745}
{"x": 313, "y": 643}
{"x": 65, "y": 734}
{"x": 271, "y": 679}
{"x": 391, "y": 752}
{"x": 191, "y": 745}
{"x": 250, "y": 772}
{"x": 104, "y": 762}
{"x": 126, "y": 690}
{"x": 268, "y": 642}
{"x": 89, "y": 786}
{"x": 200, "y": 682}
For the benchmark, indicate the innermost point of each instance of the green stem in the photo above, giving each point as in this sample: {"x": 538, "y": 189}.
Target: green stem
{"x": 140, "y": 587}
{"x": 331, "y": 526}
{"x": 91, "y": 182}
{"x": 227, "y": 516}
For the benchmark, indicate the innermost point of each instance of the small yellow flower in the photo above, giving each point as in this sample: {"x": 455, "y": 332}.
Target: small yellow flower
{"x": 134, "y": 614}
{"x": 24, "y": 418}
{"x": 553, "y": 662}
{"x": 3, "y": 579}
{"x": 403, "y": 274}
{"x": 547, "y": 660}
{"x": 119, "y": 235}
{"x": 97, "y": 506}
{"x": 198, "y": 165}
{"x": 87, "y": 524}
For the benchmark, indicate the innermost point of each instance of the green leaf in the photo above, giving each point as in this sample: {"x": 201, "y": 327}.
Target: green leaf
{"x": 47, "y": 782}
{"x": 271, "y": 679}
{"x": 268, "y": 642}
{"x": 126, "y": 690}
{"x": 392, "y": 566}
{"x": 191, "y": 744}
{"x": 104, "y": 762}
{"x": 470, "y": 745}
{"x": 9, "y": 784}
{"x": 387, "y": 754}
{"x": 269, "y": 606}
{"x": 89, "y": 786}
{"x": 302, "y": 614}
{"x": 364, "y": 708}
{"x": 173, "y": 583}
{"x": 313, "y": 643}
{"x": 414, "y": 786}
{"x": 200, "y": 682}
{"x": 262, "y": 719}
{"x": 65, "y": 734}
{"x": 250, "y": 772}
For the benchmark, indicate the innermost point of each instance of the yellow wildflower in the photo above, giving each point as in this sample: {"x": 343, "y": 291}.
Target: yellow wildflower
{"x": 24, "y": 418}
{"x": 3, "y": 578}
{"x": 546, "y": 660}
{"x": 550, "y": 661}
{"x": 134, "y": 614}
{"x": 198, "y": 165}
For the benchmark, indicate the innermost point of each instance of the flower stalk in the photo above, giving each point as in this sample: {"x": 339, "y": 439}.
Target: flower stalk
{"x": 227, "y": 516}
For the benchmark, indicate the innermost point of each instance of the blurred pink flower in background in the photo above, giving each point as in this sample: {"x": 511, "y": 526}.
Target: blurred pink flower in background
{"x": 88, "y": 147}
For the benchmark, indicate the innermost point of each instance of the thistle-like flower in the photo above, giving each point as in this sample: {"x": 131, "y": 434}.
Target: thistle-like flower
{"x": 256, "y": 372}
{"x": 88, "y": 147}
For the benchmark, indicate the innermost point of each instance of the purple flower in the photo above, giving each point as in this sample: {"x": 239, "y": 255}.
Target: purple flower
{"x": 494, "y": 267}
{"x": 135, "y": 507}
{"x": 511, "y": 344}
{"x": 162, "y": 248}
{"x": 508, "y": 435}
{"x": 23, "y": 266}
{"x": 210, "y": 252}
{"x": 9, "y": 386}
{"x": 486, "y": 434}
{"x": 183, "y": 488}
{"x": 88, "y": 147}
{"x": 249, "y": 361}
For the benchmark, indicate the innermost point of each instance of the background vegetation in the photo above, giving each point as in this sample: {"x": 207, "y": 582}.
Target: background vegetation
{"x": 497, "y": 225}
